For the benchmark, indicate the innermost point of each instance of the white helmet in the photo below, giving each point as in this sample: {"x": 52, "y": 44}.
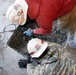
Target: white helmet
{"x": 36, "y": 47}
{"x": 17, "y": 12}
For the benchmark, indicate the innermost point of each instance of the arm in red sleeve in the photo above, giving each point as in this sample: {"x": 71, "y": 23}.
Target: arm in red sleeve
{"x": 40, "y": 30}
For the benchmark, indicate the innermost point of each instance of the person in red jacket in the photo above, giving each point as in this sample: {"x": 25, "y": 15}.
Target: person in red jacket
{"x": 44, "y": 12}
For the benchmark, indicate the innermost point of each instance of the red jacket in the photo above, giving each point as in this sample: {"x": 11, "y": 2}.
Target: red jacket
{"x": 45, "y": 11}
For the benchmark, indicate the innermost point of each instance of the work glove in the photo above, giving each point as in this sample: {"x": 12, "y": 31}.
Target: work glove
{"x": 71, "y": 40}
{"x": 28, "y": 32}
{"x": 23, "y": 62}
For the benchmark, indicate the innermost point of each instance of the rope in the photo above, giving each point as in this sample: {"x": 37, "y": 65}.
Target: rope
{"x": 6, "y": 31}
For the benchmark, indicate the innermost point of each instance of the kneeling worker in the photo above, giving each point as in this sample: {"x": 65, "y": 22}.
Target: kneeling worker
{"x": 47, "y": 59}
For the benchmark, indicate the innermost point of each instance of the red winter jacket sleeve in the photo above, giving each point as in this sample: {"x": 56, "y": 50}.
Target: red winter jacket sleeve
{"x": 43, "y": 14}
{"x": 43, "y": 29}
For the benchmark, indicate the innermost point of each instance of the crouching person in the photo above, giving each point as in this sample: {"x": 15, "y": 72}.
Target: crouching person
{"x": 45, "y": 58}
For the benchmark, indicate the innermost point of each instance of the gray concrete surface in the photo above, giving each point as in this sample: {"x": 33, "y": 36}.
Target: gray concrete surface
{"x": 8, "y": 57}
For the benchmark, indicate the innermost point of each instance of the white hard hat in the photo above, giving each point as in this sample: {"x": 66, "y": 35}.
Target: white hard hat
{"x": 17, "y": 12}
{"x": 36, "y": 47}
{"x": 71, "y": 40}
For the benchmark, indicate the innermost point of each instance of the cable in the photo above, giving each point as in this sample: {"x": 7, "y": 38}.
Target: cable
{"x": 7, "y": 31}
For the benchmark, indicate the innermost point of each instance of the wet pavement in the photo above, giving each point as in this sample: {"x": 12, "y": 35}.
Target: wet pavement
{"x": 8, "y": 57}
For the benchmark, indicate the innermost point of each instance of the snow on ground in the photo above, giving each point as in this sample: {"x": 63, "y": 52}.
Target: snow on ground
{"x": 8, "y": 57}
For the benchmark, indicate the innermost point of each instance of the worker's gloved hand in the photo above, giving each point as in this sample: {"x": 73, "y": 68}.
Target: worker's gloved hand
{"x": 28, "y": 32}
{"x": 71, "y": 40}
{"x": 23, "y": 62}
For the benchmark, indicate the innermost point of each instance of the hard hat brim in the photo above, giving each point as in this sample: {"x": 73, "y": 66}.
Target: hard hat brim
{"x": 24, "y": 7}
{"x": 42, "y": 49}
